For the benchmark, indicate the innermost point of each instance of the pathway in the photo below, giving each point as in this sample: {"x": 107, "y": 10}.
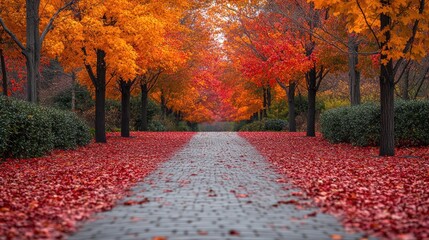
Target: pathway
{"x": 217, "y": 187}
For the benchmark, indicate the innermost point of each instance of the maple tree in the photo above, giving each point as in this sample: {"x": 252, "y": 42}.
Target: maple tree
{"x": 38, "y": 24}
{"x": 399, "y": 37}
{"x": 112, "y": 42}
{"x": 274, "y": 43}
{"x": 283, "y": 59}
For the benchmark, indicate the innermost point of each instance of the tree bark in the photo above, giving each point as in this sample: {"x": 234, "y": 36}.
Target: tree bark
{"x": 100, "y": 114}
{"x": 354, "y": 74}
{"x": 33, "y": 48}
{"x": 265, "y": 103}
{"x": 100, "y": 98}
{"x": 4, "y": 73}
{"x": 387, "y": 137}
{"x": 99, "y": 81}
{"x": 125, "y": 87}
{"x": 312, "y": 91}
{"x": 144, "y": 105}
{"x": 291, "y": 104}
{"x": 163, "y": 106}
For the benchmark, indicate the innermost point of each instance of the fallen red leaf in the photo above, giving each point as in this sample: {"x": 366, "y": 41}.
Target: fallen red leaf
{"x": 234, "y": 233}
{"x": 45, "y": 197}
{"x": 385, "y": 196}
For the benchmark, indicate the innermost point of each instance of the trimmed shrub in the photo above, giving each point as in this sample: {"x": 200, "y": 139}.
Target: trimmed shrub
{"x": 69, "y": 131}
{"x": 363, "y": 122}
{"x": 360, "y": 125}
{"x": 333, "y": 122}
{"x": 28, "y": 130}
{"x": 256, "y": 126}
{"x": 275, "y": 125}
{"x": 412, "y": 123}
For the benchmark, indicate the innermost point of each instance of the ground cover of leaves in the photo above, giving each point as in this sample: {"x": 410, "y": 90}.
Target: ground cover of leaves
{"x": 46, "y": 197}
{"x": 385, "y": 196}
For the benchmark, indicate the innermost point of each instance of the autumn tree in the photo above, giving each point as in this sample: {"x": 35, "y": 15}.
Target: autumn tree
{"x": 38, "y": 24}
{"x": 97, "y": 31}
{"x": 399, "y": 37}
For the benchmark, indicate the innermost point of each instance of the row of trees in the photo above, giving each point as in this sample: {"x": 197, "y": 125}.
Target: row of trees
{"x": 220, "y": 60}
{"x": 299, "y": 42}
{"x": 158, "y": 49}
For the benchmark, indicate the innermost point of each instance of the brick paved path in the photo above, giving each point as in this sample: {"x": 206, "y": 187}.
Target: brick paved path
{"x": 217, "y": 187}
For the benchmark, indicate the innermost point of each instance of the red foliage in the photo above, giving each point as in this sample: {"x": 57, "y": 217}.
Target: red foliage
{"x": 45, "y": 197}
{"x": 385, "y": 196}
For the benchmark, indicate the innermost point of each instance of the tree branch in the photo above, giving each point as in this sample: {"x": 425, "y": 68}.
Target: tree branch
{"x": 51, "y": 21}
{"x": 367, "y": 23}
{"x": 12, "y": 35}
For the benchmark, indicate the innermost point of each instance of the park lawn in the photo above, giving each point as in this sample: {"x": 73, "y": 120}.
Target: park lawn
{"x": 46, "y": 197}
{"x": 384, "y": 196}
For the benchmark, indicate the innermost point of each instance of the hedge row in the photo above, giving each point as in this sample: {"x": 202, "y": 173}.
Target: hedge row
{"x": 360, "y": 125}
{"x": 27, "y": 130}
{"x": 265, "y": 125}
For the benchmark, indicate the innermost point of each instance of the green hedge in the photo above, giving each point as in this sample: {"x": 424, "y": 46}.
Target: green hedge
{"x": 265, "y": 125}
{"x": 256, "y": 126}
{"x": 360, "y": 125}
{"x": 27, "y": 130}
{"x": 275, "y": 125}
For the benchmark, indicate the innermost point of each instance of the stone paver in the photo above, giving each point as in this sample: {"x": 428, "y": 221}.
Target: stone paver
{"x": 217, "y": 187}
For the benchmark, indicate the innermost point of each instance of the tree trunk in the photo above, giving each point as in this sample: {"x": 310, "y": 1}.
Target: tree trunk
{"x": 387, "y": 137}
{"x": 291, "y": 104}
{"x": 100, "y": 114}
{"x": 144, "y": 104}
{"x": 33, "y": 48}
{"x": 125, "y": 87}
{"x": 4, "y": 74}
{"x": 312, "y": 91}
{"x": 163, "y": 106}
{"x": 100, "y": 98}
{"x": 269, "y": 98}
{"x": 354, "y": 74}
{"x": 265, "y": 103}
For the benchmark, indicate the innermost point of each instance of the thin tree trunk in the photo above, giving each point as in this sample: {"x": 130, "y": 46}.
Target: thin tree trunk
{"x": 265, "y": 103}
{"x": 144, "y": 105}
{"x": 291, "y": 104}
{"x": 312, "y": 91}
{"x": 354, "y": 74}
{"x": 4, "y": 73}
{"x": 163, "y": 107}
{"x": 387, "y": 137}
{"x": 269, "y": 98}
{"x": 125, "y": 87}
